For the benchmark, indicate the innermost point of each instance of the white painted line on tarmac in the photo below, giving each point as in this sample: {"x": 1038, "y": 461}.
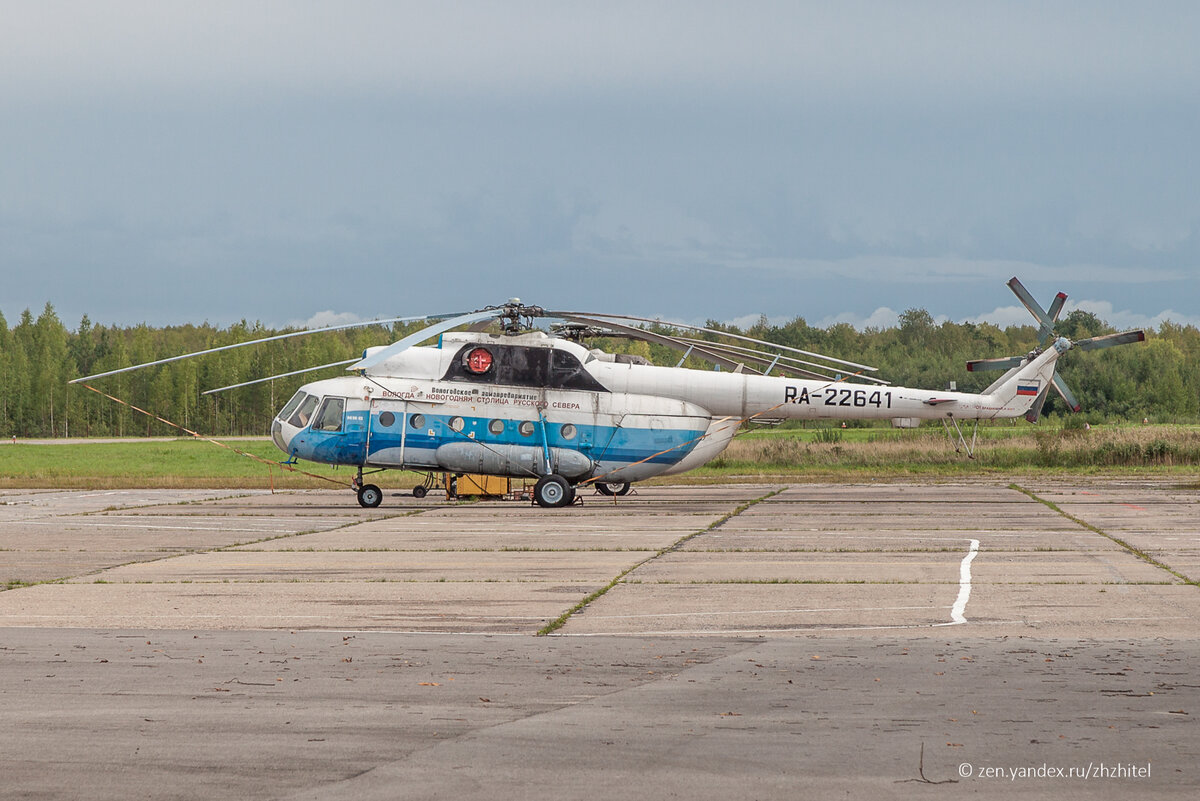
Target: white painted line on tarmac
{"x": 957, "y": 612}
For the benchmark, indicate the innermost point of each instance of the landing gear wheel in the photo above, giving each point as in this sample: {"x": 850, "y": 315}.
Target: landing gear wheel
{"x": 553, "y": 491}
{"x": 370, "y": 496}
{"x": 420, "y": 492}
{"x": 613, "y": 487}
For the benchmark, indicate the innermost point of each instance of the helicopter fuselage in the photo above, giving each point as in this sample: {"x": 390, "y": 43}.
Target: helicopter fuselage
{"x": 531, "y": 405}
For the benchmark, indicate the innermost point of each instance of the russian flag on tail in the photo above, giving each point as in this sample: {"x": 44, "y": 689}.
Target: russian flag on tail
{"x": 1031, "y": 388}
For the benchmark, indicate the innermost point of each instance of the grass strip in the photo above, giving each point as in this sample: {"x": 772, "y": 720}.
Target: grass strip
{"x": 1138, "y": 552}
{"x": 562, "y": 619}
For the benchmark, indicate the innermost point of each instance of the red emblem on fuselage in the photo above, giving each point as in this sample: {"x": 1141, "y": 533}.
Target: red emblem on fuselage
{"x": 479, "y": 361}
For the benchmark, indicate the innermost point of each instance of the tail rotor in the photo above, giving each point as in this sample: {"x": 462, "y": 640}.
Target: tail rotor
{"x": 1047, "y": 318}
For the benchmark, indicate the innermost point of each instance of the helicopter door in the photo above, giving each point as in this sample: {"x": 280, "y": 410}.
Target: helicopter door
{"x": 386, "y": 434}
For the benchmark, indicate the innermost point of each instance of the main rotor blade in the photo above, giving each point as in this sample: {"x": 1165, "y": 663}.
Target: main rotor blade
{"x": 650, "y": 336}
{"x": 1046, "y": 323}
{"x": 281, "y": 375}
{"x": 567, "y": 314}
{"x": 425, "y": 333}
{"x": 253, "y": 342}
{"x": 780, "y": 362}
{"x": 746, "y": 356}
{"x": 1109, "y": 340}
{"x": 1067, "y": 394}
{"x": 976, "y": 365}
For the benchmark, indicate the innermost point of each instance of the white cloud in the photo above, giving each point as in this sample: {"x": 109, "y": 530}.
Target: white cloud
{"x": 883, "y": 317}
{"x": 819, "y": 48}
{"x": 1121, "y": 319}
{"x": 323, "y": 319}
{"x": 1004, "y": 316}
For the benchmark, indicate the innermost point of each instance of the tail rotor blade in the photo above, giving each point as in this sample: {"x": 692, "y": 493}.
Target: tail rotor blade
{"x": 1028, "y": 302}
{"x": 1035, "y": 411}
{"x": 1067, "y": 394}
{"x": 1045, "y": 321}
{"x": 1109, "y": 340}
{"x": 1056, "y": 306}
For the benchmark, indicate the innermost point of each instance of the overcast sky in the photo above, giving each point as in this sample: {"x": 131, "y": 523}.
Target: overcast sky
{"x": 289, "y": 161}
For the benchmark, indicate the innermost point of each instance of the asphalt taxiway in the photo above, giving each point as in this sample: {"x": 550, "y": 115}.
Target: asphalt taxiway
{"x": 754, "y": 640}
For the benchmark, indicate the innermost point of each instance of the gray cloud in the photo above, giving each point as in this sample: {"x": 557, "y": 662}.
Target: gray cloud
{"x": 855, "y": 48}
{"x": 221, "y": 161}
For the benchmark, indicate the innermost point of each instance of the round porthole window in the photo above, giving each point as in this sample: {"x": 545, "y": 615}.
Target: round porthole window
{"x": 387, "y": 419}
{"x": 496, "y": 427}
{"x": 417, "y": 421}
{"x": 457, "y": 424}
{"x": 526, "y": 428}
{"x": 569, "y": 431}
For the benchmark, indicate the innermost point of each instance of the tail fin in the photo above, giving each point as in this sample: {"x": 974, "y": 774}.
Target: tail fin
{"x": 1023, "y": 389}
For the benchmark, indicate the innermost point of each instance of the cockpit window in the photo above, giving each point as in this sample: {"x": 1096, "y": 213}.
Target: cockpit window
{"x": 330, "y": 416}
{"x": 304, "y": 413}
{"x": 291, "y": 405}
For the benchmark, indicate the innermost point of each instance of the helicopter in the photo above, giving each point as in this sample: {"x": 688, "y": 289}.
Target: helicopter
{"x": 525, "y": 402}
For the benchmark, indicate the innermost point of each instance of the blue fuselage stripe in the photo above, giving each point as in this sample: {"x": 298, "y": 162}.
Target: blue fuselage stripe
{"x": 607, "y": 444}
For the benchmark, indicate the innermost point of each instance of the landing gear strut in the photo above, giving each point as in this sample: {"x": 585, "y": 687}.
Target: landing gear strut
{"x": 369, "y": 495}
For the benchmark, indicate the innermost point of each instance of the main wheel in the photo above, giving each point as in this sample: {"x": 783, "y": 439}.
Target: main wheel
{"x": 613, "y": 487}
{"x": 419, "y": 492}
{"x": 370, "y": 496}
{"x": 553, "y": 491}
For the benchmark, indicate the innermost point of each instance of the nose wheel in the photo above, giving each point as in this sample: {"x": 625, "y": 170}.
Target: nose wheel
{"x": 369, "y": 496}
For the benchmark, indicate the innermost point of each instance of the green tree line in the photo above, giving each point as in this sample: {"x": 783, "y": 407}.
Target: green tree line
{"x": 1159, "y": 379}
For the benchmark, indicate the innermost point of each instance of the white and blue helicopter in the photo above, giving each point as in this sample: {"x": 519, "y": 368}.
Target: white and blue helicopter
{"x": 527, "y": 403}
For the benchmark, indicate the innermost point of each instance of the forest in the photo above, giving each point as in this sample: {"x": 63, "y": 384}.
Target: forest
{"x": 1157, "y": 380}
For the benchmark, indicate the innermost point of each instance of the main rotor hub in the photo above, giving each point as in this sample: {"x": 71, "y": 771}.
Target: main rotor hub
{"x": 516, "y": 317}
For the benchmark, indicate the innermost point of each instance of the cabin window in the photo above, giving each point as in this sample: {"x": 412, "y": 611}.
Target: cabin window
{"x": 567, "y": 372}
{"x": 330, "y": 416}
{"x": 387, "y": 419}
{"x": 526, "y": 428}
{"x": 286, "y": 412}
{"x": 569, "y": 431}
{"x": 304, "y": 414}
{"x": 496, "y": 427}
{"x": 457, "y": 424}
{"x": 417, "y": 421}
